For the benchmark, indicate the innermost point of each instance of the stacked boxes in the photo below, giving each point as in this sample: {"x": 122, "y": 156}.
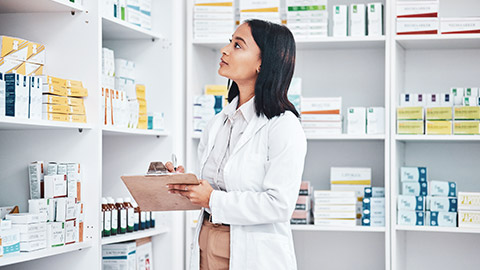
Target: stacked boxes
{"x": 142, "y": 107}
{"x": 119, "y": 256}
{"x": 469, "y": 209}
{"x": 373, "y": 207}
{"x": 303, "y": 209}
{"x": 122, "y": 106}
{"x": 9, "y": 238}
{"x": 336, "y": 208}
{"x": 307, "y": 19}
{"x": 21, "y": 56}
{"x": 466, "y": 111}
{"x": 136, "y": 12}
{"x": 361, "y": 120}
{"x": 32, "y": 228}
{"x": 321, "y": 115}
{"x": 213, "y": 20}
{"x": 206, "y": 106}
{"x": 17, "y": 89}
{"x": 268, "y": 10}
{"x": 350, "y": 179}
{"x": 417, "y": 17}
{"x": 62, "y": 100}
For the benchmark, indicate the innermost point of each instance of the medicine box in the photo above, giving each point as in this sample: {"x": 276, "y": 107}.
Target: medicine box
{"x": 442, "y": 204}
{"x": 340, "y": 20}
{"x": 13, "y": 48}
{"x": 469, "y": 201}
{"x": 300, "y": 217}
{"x": 439, "y": 113}
{"x": 303, "y": 203}
{"x": 415, "y": 188}
{"x": 119, "y": 254}
{"x": 34, "y": 236}
{"x": 462, "y": 25}
{"x": 442, "y": 188}
{"x": 36, "y": 53}
{"x": 305, "y": 188}
{"x": 368, "y": 213}
{"x": 26, "y": 218}
{"x": 410, "y": 218}
{"x": 417, "y": 9}
{"x": 35, "y": 175}
{"x": 375, "y": 19}
{"x": 336, "y": 201}
{"x": 370, "y": 192}
{"x": 30, "y": 228}
{"x": 33, "y": 245}
{"x": 375, "y": 120}
{"x": 441, "y": 219}
{"x": 446, "y": 100}
{"x": 471, "y": 127}
{"x": 471, "y": 92}
{"x": 10, "y": 241}
{"x": 433, "y": 100}
{"x": 374, "y": 203}
{"x": 468, "y": 219}
{"x": 334, "y": 194}
{"x": 42, "y": 206}
{"x": 413, "y": 174}
{"x": 55, "y": 234}
{"x": 35, "y": 103}
{"x": 356, "y": 120}
{"x": 350, "y": 176}
{"x": 410, "y": 113}
{"x": 55, "y": 186}
{"x": 358, "y": 23}
{"x": 70, "y": 232}
{"x": 417, "y": 26}
{"x": 330, "y": 105}
{"x": 467, "y": 113}
{"x": 61, "y": 209}
{"x": 439, "y": 127}
{"x": 411, "y": 203}
{"x": 373, "y": 221}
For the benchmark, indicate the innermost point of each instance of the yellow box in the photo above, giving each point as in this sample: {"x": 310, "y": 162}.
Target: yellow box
{"x": 142, "y": 108}
{"x": 54, "y": 89}
{"x": 410, "y": 127}
{"x": 36, "y": 53}
{"x": 142, "y": 101}
{"x": 410, "y": 113}
{"x": 216, "y": 90}
{"x": 73, "y": 83}
{"x": 54, "y": 80}
{"x": 77, "y": 92}
{"x": 21, "y": 69}
{"x": 466, "y": 127}
{"x": 9, "y": 65}
{"x": 32, "y": 69}
{"x": 55, "y": 117}
{"x": 55, "y": 108}
{"x": 439, "y": 113}
{"x": 13, "y": 48}
{"x": 53, "y": 99}
{"x": 74, "y": 118}
{"x": 467, "y": 113}
{"x": 140, "y": 90}
{"x": 75, "y": 101}
{"x": 142, "y": 121}
{"x": 439, "y": 127}
{"x": 76, "y": 110}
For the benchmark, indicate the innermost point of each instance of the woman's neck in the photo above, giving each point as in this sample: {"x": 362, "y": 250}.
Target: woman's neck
{"x": 245, "y": 93}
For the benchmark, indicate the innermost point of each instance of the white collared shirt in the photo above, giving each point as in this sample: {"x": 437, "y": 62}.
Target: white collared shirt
{"x": 236, "y": 120}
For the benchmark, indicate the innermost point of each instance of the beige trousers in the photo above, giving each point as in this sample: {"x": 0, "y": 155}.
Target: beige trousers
{"x": 214, "y": 242}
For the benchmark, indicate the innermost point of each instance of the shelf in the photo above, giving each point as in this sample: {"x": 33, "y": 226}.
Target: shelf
{"x": 29, "y": 6}
{"x": 133, "y": 236}
{"x": 346, "y": 137}
{"x": 11, "y": 123}
{"x": 115, "y": 131}
{"x": 114, "y": 28}
{"x": 323, "y": 43}
{"x": 296, "y": 228}
{"x": 450, "y": 41}
{"x": 28, "y": 256}
{"x": 437, "y": 229}
{"x": 437, "y": 138}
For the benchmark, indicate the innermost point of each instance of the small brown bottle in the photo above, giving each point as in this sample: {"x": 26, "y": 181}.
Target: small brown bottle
{"x": 107, "y": 218}
{"x": 122, "y": 216}
{"x": 130, "y": 214}
{"x": 114, "y": 210}
{"x": 136, "y": 225}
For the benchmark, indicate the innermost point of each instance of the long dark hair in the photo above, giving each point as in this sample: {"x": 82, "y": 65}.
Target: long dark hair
{"x": 277, "y": 51}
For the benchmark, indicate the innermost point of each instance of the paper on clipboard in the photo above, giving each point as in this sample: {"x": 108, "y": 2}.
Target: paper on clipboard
{"x": 151, "y": 194}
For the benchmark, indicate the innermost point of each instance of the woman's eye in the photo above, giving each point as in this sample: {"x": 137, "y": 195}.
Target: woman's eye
{"x": 237, "y": 46}
{"x": 230, "y": 40}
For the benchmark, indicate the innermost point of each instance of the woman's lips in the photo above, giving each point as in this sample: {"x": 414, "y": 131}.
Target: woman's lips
{"x": 223, "y": 63}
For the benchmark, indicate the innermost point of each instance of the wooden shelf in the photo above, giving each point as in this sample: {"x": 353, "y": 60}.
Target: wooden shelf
{"x": 12, "y": 123}
{"x": 39, "y": 6}
{"x": 28, "y": 256}
{"x": 437, "y": 229}
{"x": 449, "y": 41}
{"x": 336, "y": 229}
{"x": 313, "y": 44}
{"x": 114, "y": 29}
{"x": 115, "y": 131}
{"x": 133, "y": 236}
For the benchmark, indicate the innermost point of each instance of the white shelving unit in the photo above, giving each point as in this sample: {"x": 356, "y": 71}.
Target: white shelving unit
{"x": 356, "y": 69}
{"x": 105, "y": 153}
{"x": 134, "y": 235}
{"x": 434, "y": 64}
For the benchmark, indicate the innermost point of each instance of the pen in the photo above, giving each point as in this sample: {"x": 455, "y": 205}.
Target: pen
{"x": 174, "y": 161}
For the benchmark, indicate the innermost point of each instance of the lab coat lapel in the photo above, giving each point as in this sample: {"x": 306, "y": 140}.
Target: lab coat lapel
{"x": 255, "y": 125}
{"x": 211, "y": 140}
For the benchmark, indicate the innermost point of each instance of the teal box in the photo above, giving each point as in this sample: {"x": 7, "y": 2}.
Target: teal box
{"x": 442, "y": 219}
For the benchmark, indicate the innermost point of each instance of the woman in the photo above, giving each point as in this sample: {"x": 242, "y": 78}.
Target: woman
{"x": 252, "y": 156}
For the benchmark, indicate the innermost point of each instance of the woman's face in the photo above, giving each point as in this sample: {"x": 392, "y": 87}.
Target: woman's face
{"x": 240, "y": 60}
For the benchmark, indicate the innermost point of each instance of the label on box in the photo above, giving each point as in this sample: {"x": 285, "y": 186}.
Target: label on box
{"x": 411, "y": 218}
{"x": 439, "y": 127}
{"x": 460, "y": 25}
{"x": 413, "y": 174}
{"x": 443, "y": 188}
{"x": 410, "y": 113}
{"x": 411, "y": 203}
{"x": 417, "y": 26}
{"x": 415, "y": 188}
{"x": 469, "y": 200}
{"x": 410, "y": 127}
{"x": 417, "y": 9}
{"x": 441, "y": 204}
{"x": 441, "y": 219}
{"x": 439, "y": 113}
{"x": 467, "y": 113}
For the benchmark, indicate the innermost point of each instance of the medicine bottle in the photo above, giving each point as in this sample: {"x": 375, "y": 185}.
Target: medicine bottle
{"x": 113, "y": 208}
{"x": 106, "y": 217}
{"x": 136, "y": 212}
{"x": 122, "y": 216}
{"x": 130, "y": 214}
{"x": 143, "y": 218}
{"x": 147, "y": 220}
{"x": 152, "y": 220}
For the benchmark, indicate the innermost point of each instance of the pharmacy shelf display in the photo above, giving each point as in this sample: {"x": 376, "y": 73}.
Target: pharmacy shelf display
{"x": 355, "y": 68}
{"x": 134, "y": 235}
{"x": 428, "y": 64}
{"x": 103, "y": 155}
{"x": 114, "y": 131}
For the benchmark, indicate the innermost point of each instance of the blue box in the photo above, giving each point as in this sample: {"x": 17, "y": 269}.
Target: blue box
{"x": 441, "y": 219}
{"x": 411, "y": 218}
{"x": 413, "y": 174}
{"x": 374, "y": 192}
{"x": 442, "y": 204}
{"x": 415, "y": 188}
{"x": 411, "y": 203}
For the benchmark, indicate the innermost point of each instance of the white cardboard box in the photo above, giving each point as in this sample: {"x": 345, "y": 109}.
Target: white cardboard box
{"x": 417, "y": 26}
{"x": 469, "y": 201}
{"x": 340, "y": 20}
{"x": 55, "y": 234}
{"x": 460, "y": 25}
{"x": 416, "y": 9}
{"x": 411, "y": 203}
{"x": 441, "y": 219}
{"x": 55, "y": 186}
{"x": 442, "y": 188}
{"x": 26, "y": 218}
{"x": 411, "y": 218}
{"x": 468, "y": 219}
{"x": 358, "y": 20}
{"x": 348, "y": 175}
{"x": 375, "y": 120}
{"x": 356, "y": 120}
{"x": 35, "y": 174}
{"x": 375, "y": 19}
{"x": 42, "y": 206}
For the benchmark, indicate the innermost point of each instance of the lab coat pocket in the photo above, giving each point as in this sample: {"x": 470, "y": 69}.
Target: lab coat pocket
{"x": 253, "y": 170}
{"x": 269, "y": 251}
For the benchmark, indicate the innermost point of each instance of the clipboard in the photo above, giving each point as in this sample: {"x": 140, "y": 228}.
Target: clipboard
{"x": 150, "y": 191}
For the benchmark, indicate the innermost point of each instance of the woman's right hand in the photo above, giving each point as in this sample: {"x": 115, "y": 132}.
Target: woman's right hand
{"x": 170, "y": 168}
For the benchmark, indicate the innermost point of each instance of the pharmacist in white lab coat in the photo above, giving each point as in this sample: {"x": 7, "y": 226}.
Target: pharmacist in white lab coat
{"x": 252, "y": 156}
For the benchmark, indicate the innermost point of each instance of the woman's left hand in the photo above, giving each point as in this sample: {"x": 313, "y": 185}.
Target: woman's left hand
{"x": 197, "y": 194}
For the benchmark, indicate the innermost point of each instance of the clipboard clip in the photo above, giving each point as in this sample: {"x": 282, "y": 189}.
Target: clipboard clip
{"x": 156, "y": 168}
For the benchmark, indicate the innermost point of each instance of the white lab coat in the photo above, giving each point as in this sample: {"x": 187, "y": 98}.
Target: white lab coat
{"x": 262, "y": 178}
